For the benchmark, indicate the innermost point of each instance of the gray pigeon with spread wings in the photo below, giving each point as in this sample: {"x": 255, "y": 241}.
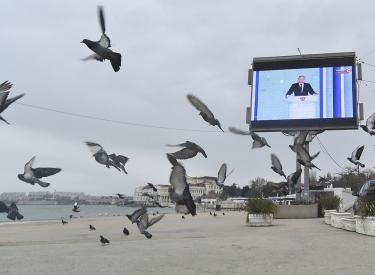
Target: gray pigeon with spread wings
{"x": 258, "y": 141}
{"x": 143, "y": 223}
{"x": 276, "y": 165}
{"x": 136, "y": 214}
{"x": 180, "y": 193}
{"x": 222, "y": 175}
{"x": 4, "y": 101}
{"x": 191, "y": 150}
{"x": 206, "y": 114}
{"x": 101, "y": 47}
{"x": 299, "y": 141}
{"x": 32, "y": 176}
{"x": 305, "y": 158}
{"x": 356, "y": 155}
{"x": 11, "y": 210}
{"x": 100, "y": 154}
{"x": 370, "y": 125}
{"x": 293, "y": 178}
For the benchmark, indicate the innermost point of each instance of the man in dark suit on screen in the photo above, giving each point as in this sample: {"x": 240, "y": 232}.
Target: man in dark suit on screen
{"x": 301, "y": 88}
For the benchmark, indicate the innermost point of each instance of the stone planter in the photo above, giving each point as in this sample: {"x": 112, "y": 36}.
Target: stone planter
{"x": 260, "y": 220}
{"x": 297, "y": 211}
{"x": 336, "y": 219}
{"x": 327, "y": 216}
{"x": 349, "y": 224}
{"x": 365, "y": 226}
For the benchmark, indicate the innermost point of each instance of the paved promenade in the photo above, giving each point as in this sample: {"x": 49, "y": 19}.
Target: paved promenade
{"x": 196, "y": 245}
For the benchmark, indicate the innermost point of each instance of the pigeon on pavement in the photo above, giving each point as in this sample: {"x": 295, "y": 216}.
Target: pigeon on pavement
{"x": 276, "y": 165}
{"x": 63, "y": 222}
{"x": 4, "y": 101}
{"x": 11, "y": 210}
{"x": 191, "y": 150}
{"x": 101, "y": 47}
{"x": 32, "y": 176}
{"x": 103, "y": 240}
{"x": 356, "y": 155}
{"x": 125, "y": 231}
{"x": 258, "y": 141}
{"x": 370, "y": 125}
{"x": 206, "y": 114}
{"x": 92, "y": 228}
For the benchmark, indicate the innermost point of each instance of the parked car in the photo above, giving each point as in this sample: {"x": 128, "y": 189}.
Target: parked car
{"x": 367, "y": 192}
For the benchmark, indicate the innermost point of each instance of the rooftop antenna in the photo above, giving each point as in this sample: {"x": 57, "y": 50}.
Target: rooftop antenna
{"x": 300, "y": 52}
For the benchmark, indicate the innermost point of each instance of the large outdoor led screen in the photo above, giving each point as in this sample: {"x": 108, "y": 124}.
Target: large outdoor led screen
{"x": 302, "y": 96}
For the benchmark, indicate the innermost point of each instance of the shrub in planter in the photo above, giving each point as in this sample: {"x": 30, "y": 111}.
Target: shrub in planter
{"x": 259, "y": 207}
{"x": 366, "y": 208}
{"x": 330, "y": 202}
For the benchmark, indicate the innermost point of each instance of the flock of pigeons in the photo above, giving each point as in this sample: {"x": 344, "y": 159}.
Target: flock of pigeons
{"x": 179, "y": 191}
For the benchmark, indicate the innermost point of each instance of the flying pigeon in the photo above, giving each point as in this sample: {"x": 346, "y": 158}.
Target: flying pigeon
{"x": 148, "y": 195}
{"x": 101, "y": 47}
{"x": 11, "y": 210}
{"x": 370, "y": 125}
{"x": 277, "y": 187}
{"x": 92, "y": 228}
{"x": 125, "y": 231}
{"x": 152, "y": 186}
{"x": 4, "y": 102}
{"x": 191, "y": 150}
{"x": 222, "y": 175}
{"x": 276, "y": 165}
{"x": 103, "y": 240}
{"x": 300, "y": 141}
{"x": 356, "y": 155}
{"x": 305, "y": 158}
{"x": 143, "y": 223}
{"x": 258, "y": 141}
{"x": 121, "y": 196}
{"x": 293, "y": 178}
{"x": 100, "y": 154}
{"x": 180, "y": 193}
{"x": 32, "y": 176}
{"x": 63, "y": 222}
{"x": 206, "y": 114}
{"x": 136, "y": 214}
{"x": 119, "y": 161}
{"x": 75, "y": 208}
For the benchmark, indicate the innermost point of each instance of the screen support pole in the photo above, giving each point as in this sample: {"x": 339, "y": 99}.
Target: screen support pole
{"x": 306, "y": 171}
{"x": 298, "y": 166}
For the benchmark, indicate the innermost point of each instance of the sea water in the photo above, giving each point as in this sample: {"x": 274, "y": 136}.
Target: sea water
{"x": 56, "y": 212}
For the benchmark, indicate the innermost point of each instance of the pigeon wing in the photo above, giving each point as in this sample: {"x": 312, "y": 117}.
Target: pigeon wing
{"x": 177, "y": 145}
{"x": 188, "y": 201}
{"x": 122, "y": 159}
{"x": 28, "y": 165}
{"x": 178, "y": 179}
{"x": 300, "y": 139}
{"x": 370, "y": 122}
{"x": 185, "y": 153}
{"x": 45, "y": 172}
{"x": 222, "y": 174}
{"x": 93, "y": 56}
{"x": 11, "y": 100}
{"x": 5, "y": 86}
{"x": 13, "y": 207}
{"x": 359, "y": 151}
{"x": 257, "y": 144}
{"x": 199, "y": 105}
{"x": 155, "y": 220}
{"x": 94, "y": 147}
{"x": 276, "y": 162}
{"x": 41, "y": 183}
{"x": 139, "y": 212}
{"x": 295, "y": 176}
{"x": 172, "y": 160}
{"x": 104, "y": 41}
{"x": 3, "y": 98}
{"x": 237, "y": 131}
{"x": 101, "y": 18}
{"x": 143, "y": 223}
{"x": 302, "y": 152}
{"x": 3, "y": 207}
